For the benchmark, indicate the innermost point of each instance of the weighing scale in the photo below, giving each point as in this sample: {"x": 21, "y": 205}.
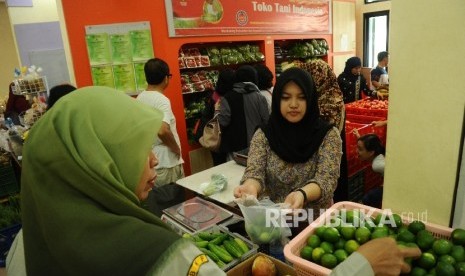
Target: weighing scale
{"x": 194, "y": 215}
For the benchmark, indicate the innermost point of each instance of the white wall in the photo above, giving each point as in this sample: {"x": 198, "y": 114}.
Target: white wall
{"x": 41, "y": 11}
{"x": 427, "y": 100}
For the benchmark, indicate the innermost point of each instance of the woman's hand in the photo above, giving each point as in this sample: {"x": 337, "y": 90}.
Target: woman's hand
{"x": 385, "y": 256}
{"x": 249, "y": 187}
{"x": 355, "y": 132}
{"x": 379, "y": 123}
{"x": 218, "y": 105}
{"x": 295, "y": 200}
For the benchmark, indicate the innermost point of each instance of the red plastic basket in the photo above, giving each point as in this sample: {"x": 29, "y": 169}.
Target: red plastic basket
{"x": 363, "y": 119}
{"x": 372, "y": 179}
{"x": 352, "y": 109}
{"x": 307, "y": 268}
{"x": 363, "y": 129}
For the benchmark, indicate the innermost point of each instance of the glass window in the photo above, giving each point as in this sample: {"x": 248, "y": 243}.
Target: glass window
{"x": 375, "y": 36}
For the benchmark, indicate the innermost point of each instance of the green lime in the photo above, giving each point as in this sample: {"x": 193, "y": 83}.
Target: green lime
{"x": 351, "y": 246}
{"x": 416, "y": 226}
{"x": 313, "y": 241}
{"x": 353, "y": 216}
{"x": 320, "y": 230}
{"x": 458, "y": 253}
{"x": 406, "y": 236}
{"x": 418, "y": 271}
{"x": 367, "y": 222}
{"x": 460, "y": 268}
{"x": 264, "y": 237}
{"x": 379, "y": 232}
{"x": 327, "y": 247}
{"x": 306, "y": 253}
{"x": 331, "y": 235}
{"x": 317, "y": 253}
{"x": 334, "y": 222}
{"x": 402, "y": 229}
{"x": 339, "y": 244}
{"x": 378, "y": 218}
{"x": 426, "y": 260}
{"x": 458, "y": 236}
{"x": 328, "y": 260}
{"x": 348, "y": 232}
{"x": 362, "y": 235}
{"x": 397, "y": 221}
{"x": 447, "y": 259}
{"x": 432, "y": 272}
{"x": 341, "y": 255}
{"x": 442, "y": 247}
{"x": 445, "y": 269}
{"x": 425, "y": 239}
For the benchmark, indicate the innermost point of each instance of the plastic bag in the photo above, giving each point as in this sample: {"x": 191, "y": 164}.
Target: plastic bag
{"x": 217, "y": 184}
{"x": 264, "y": 220}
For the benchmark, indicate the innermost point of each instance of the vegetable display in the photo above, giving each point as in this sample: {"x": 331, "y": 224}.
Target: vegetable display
{"x": 223, "y": 248}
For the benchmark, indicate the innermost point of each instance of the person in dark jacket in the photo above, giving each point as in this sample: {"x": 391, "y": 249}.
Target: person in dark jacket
{"x": 224, "y": 84}
{"x": 15, "y": 105}
{"x": 241, "y": 111}
{"x": 352, "y": 83}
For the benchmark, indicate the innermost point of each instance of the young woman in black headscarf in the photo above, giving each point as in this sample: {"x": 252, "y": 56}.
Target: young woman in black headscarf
{"x": 352, "y": 83}
{"x": 295, "y": 157}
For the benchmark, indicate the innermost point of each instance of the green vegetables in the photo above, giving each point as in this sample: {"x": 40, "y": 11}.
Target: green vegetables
{"x": 10, "y": 213}
{"x": 240, "y": 54}
{"x": 217, "y": 184}
{"x": 221, "y": 247}
{"x": 316, "y": 47}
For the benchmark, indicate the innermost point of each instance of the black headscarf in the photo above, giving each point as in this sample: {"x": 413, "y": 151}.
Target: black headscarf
{"x": 295, "y": 142}
{"x": 352, "y": 63}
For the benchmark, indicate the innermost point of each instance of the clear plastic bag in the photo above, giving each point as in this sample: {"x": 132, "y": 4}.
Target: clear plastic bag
{"x": 264, "y": 220}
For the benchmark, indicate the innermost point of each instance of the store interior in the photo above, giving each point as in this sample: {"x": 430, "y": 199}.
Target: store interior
{"x": 425, "y": 134}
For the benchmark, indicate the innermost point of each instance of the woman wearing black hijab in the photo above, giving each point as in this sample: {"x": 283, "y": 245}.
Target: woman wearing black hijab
{"x": 295, "y": 157}
{"x": 352, "y": 83}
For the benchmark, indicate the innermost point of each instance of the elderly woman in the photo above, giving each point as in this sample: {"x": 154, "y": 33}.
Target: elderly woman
{"x": 86, "y": 168}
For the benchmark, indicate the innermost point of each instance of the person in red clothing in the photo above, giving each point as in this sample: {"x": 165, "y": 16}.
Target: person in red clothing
{"x": 15, "y": 105}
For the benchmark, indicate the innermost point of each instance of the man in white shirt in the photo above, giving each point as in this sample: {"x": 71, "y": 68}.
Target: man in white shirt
{"x": 166, "y": 146}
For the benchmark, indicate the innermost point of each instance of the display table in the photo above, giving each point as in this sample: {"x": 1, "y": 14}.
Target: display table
{"x": 231, "y": 170}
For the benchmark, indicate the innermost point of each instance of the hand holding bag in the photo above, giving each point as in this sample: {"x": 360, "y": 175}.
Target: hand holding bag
{"x": 211, "y": 138}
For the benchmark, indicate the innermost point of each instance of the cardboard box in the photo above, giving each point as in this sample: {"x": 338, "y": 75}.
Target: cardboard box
{"x": 245, "y": 268}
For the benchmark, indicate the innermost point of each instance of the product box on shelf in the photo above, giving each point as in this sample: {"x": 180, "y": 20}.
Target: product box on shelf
{"x": 304, "y": 267}
{"x": 245, "y": 267}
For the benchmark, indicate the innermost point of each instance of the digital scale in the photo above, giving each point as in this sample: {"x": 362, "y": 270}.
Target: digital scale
{"x": 194, "y": 215}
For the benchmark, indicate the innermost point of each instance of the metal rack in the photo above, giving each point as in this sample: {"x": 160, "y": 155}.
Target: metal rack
{"x": 33, "y": 86}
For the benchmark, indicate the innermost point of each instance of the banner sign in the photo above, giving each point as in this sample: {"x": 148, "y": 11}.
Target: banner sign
{"x": 242, "y": 17}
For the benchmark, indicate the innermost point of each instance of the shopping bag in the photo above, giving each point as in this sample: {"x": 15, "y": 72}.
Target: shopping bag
{"x": 264, "y": 220}
{"x": 211, "y": 138}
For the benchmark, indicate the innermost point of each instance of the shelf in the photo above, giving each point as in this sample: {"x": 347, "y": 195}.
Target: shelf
{"x": 194, "y": 92}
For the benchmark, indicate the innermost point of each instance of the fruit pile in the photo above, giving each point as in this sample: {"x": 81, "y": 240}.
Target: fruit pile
{"x": 221, "y": 247}
{"x": 328, "y": 246}
{"x": 369, "y": 104}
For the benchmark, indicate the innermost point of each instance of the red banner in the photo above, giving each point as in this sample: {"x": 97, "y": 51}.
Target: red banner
{"x": 240, "y": 17}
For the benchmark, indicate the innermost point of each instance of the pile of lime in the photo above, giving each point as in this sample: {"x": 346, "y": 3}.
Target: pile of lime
{"x": 333, "y": 242}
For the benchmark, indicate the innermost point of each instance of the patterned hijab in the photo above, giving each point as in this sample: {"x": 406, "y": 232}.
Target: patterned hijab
{"x": 81, "y": 165}
{"x": 295, "y": 142}
{"x": 330, "y": 98}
